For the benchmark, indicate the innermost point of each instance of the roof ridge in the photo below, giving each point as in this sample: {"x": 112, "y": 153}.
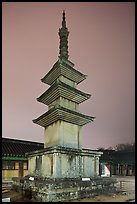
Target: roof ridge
{"x": 21, "y": 141}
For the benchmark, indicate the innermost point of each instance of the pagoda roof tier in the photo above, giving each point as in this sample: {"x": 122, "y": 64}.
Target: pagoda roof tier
{"x": 64, "y": 68}
{"x": 60, "y": 89}
{"x": 64, "y": 114}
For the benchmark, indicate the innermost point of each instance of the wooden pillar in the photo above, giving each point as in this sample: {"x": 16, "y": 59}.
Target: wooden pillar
{"x": 21, "y": 169}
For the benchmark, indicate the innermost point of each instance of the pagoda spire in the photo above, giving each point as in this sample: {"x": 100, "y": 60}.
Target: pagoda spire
{"x": 63, "y": 34}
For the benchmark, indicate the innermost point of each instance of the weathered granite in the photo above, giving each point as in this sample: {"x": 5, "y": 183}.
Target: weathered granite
{"x": 50, "y": 190}
{"x": 64, "y": 162}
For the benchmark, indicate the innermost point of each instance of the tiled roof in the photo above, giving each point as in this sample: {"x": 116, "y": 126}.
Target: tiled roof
{"x": 61, "y": 68}
{"x": 60, "y": 89}
{"x": 14, "y": 147}
{"x": 60, "y": 113}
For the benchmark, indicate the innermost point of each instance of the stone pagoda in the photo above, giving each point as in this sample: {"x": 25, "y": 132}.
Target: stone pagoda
{"x": 62, "y": 122}
{"x": 62, "y": 165}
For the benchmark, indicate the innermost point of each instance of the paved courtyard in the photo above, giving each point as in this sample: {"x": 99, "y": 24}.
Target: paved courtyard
{"x": 126, "y": 183}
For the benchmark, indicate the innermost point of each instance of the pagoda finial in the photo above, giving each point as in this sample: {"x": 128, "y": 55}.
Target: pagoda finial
{"x": 64, "y": 20}
{"x": 63, "y": 34}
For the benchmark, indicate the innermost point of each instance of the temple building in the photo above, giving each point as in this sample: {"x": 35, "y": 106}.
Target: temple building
{"x": 14, "y": 160}
{"x": 63, "y": 170}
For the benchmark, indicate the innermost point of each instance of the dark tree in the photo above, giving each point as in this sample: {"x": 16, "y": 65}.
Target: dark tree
{"x": 125, "y": 147}
{"x": 100, "y": 148}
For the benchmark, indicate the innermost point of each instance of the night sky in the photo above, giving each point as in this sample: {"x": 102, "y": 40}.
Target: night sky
{"x": 101, "y": 45}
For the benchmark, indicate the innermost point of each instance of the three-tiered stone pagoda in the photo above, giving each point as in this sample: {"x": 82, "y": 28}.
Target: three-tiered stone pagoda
{"x": 63, "y": 121}
{"x": 63, "y": 157}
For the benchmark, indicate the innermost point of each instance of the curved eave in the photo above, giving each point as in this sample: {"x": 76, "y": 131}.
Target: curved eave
{"x": 66, "y": 71}
{"x": 64, "y": 114}
{"x": 13, "y": 157}
{"x": 60, "y": 89}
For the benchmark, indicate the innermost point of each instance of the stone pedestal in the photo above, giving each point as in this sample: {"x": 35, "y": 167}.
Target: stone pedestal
{"x": 62, "y": 162}
{"x": 66, "y": 189}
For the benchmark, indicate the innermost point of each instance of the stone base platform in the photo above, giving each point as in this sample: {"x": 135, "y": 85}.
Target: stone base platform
{"x": 63, "y": 162}
{"x": 57, "y": 190}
